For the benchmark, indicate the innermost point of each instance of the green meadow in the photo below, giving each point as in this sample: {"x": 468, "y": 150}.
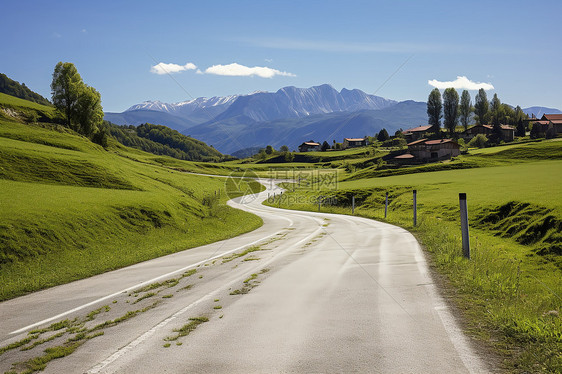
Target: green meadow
{"x": 70, "y": 209}
{"x": 510, "y": 292}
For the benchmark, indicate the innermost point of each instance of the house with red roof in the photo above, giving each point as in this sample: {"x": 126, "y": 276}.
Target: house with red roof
{"x": 425, "y": 150}
{"x": 416, "y": 133}
{"x": 508, "y": 132}
{"x": 354, "y": 142}
{"x": 552, "y": 122}
{"x": 309, "y": 146}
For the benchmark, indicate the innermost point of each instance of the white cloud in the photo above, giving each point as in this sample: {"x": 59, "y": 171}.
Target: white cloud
{"x": 237, "y": 70}
{"x": 460, "y": 83}
{"x": 163, "y": 68}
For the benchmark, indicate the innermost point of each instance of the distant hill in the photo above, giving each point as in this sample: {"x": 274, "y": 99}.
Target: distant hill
{"x": 13, "y": 88}
{"x": 538, "y": 111}
{"x": 161, "y": 140}
{"x": 232, "y": 136}
{"x": 140, "y": 116}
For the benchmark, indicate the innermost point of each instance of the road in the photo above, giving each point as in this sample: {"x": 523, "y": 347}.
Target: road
{"x": 315, "y": 293}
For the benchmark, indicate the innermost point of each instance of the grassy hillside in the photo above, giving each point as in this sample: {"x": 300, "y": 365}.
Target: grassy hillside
{"x": 509, "y": 292}
{"x": 70, "y": 209}
{"x": 161, "y": 140}
{"x": 13, "y": 88}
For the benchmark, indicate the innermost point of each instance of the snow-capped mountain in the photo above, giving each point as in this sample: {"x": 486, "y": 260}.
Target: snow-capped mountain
{"x": 293, "y": 102}
{"x": 270, "y": 114}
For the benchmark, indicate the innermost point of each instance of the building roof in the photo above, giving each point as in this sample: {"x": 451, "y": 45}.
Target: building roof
{"x": 440, "y": 141}
{"x": 490, "y": 127}
{"x": 312, "y": 144}
{"x": 405, "y": 156}
{"x": 552, "y": 117}
{"x": 417, "y": 142}
{"x": 432, "y": 142}
{"x": 354, "y": 139}
{"x": 417, "y": 129}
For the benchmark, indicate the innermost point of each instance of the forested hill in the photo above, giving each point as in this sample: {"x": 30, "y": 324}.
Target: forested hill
{"x": 162, "y": 140}
{"x": 13, "y": 88}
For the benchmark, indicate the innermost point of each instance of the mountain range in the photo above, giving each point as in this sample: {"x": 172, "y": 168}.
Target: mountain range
{"x": 288, "y": 116}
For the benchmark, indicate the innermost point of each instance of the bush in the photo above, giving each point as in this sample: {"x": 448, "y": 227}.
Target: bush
{"x": 479, "y": 141}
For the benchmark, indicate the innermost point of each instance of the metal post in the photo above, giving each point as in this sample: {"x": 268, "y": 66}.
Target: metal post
{"x": 464, "y": 226}
{"x": 353, "y": 204}
{"x": 415, "y": 208}
{"x": 386, "y": 205}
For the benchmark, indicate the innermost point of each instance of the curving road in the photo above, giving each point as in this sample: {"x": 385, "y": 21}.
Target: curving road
{"x": 319, "y": 293}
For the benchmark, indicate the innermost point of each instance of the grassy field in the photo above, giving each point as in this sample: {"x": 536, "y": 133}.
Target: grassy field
{"x": 70, "y": 209}
{"x": 510, "y": 292}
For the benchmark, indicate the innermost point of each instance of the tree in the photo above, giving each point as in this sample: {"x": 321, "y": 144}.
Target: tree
{"x": 383, "y": 135}
{"x": 269, "y": 150}
{"x": 325, "y": 146}
{"x": 80, "y": 103}
{"x": 520, "y": 131}
{"x": 481, "y": 107}
{"x": 89, "y": 112}
{"x": 284, "y": 148}
{"x": 450, "y": 109}
{"x": 465, "y": 108}
{"x": 434, "y": 106}
{"x": 496, "y": 111}
{"x": 65, "y": 89}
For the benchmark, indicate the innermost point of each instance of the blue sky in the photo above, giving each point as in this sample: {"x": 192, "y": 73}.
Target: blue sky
{"x": 388, "y": 48}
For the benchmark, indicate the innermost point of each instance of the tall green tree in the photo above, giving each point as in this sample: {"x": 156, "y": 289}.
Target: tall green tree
{"x": 383, "y": 135}
{"x": 89, "y": 113}
{"x": 481, "y": 107}
{"x": 434, "y": 114}
{"x": 465, "y": 109}
{"x": 450, "y": 109}
{"x": 80, "y": 103}
{"x": 497, "y": 114}
{"x": 496, "y": 110}
{"x": 65, "y": 90}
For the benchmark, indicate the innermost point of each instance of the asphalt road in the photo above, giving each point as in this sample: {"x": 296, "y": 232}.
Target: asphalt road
{"x": 317, "y": 293}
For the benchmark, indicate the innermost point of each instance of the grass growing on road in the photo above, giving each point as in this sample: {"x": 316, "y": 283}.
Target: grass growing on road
{"x": 510, "y": 291}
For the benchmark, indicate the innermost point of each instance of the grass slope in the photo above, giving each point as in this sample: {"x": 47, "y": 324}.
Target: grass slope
{"x": 509, "y": 293}
{"x": 70, "y": 209}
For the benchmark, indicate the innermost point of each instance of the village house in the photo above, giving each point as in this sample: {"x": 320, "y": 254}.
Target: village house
{"x": 309, "y": 146}
{"x": 425, "y": 150}
{"x": 550, "y": 121}
{"x": 508, "y": 132}
{"x": 354, "y": 142}
{"x": 416, "y": 133}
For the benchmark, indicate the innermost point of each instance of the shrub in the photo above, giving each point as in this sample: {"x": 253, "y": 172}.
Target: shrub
{"x": 479, "y": 141}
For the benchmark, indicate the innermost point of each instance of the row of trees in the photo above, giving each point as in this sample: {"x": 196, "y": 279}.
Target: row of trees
{"x": 162, "y": 140}
{"x": 79, "y": 103}
{"x": 13, "y": 88}
{"x": 494, "y": 112}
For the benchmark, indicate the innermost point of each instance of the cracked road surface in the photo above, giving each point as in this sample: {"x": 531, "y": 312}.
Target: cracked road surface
{"x": 306, "y": 292}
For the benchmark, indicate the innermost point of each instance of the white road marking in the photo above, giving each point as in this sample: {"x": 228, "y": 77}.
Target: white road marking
{"x": 139, "y": 285}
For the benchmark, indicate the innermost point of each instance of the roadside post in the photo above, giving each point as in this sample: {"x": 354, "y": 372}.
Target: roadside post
{"x": 386, "y": 205}
{"x": 415, "y": 208}
{"x": 353, "y": 204}
{"x": 319, "y": 202}
{"x": 464, "y": 226}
